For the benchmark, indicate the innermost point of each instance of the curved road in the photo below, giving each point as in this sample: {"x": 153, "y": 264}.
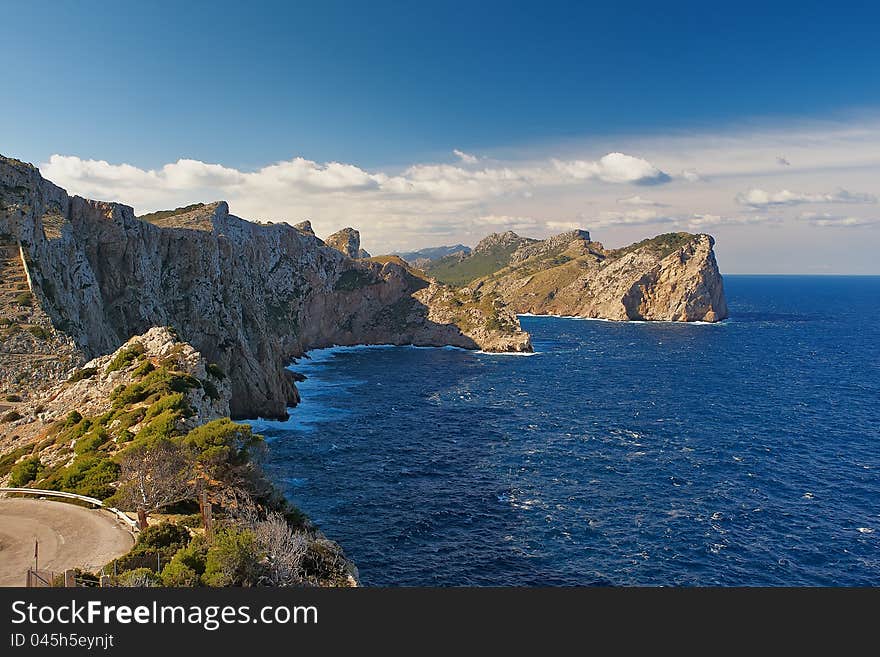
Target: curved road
{"x": 70, "y": 537}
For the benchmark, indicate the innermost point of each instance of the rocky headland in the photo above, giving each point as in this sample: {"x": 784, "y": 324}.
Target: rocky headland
{"x": 671, "y": 277}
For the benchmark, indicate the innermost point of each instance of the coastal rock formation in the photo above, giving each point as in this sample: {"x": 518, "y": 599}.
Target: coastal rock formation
{"x": 672, "y": 277}
{"x": 250, "y": 297}
{"x": 348, "y": 242}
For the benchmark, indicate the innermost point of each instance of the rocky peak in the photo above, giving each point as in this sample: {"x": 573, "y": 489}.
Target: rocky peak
{"x": 555, "y": 243}
{"x": 305, "y": 227}
{"x": 347, "y": 241}
{"x": 499, "y": 240}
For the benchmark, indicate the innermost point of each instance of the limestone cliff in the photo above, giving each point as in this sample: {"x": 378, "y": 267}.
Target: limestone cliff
{"x": 347, "y": 241}
{"x": 250, "y": 297}
{"x": 672, "y": 277}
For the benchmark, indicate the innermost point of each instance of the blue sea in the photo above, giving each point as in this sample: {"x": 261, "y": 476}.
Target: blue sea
{"x": 737, "y": 454}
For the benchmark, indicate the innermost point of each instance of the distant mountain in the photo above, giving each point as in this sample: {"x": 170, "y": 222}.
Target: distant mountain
{"x": 433, "y": 253}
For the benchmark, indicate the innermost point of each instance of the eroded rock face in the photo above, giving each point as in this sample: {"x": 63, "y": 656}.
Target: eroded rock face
{"x": 348, "y": 242}
{"x": 249, "y": 297}
{"x": 671, "y": 277}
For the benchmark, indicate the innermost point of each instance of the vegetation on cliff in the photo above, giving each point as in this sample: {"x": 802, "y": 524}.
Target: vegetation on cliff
{"x": 153, "y": 440}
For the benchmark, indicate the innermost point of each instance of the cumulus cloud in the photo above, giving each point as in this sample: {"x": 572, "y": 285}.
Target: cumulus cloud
{"x": 613, "y": 168}
{"x": 430, "y": 203}
{"x": 758, "y": 198}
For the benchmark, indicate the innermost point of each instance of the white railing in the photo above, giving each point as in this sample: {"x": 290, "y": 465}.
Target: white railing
{"x": 132, "y": 525}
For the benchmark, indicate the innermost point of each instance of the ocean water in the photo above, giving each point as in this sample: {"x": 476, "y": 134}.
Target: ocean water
{"x": 743, "y": 453}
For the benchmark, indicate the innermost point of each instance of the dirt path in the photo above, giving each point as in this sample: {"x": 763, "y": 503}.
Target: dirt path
{"x": 70, "y": 537}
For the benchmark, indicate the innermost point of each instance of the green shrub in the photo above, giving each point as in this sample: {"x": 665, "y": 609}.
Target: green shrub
{"x": 222, "y": 443}
{"x": 177, "y": 574}
{"x": 7, "y": 461}
{"x": 85, "y": 373}
{"x": 192, "y": 520}
{"x": 12, "y": 416}
{"x": 139, "y": 577}
{"x": 129, "y": 418}
{"x": 143, "y": 369}
{"x": 155, "y": 547}
{"x": 233, "y": 559}
{"x": 161, "y": 427}
{"x": 163, "y": 535}
{"x": 214, "y": 370}
{"x": 91, "y": 441}
{"x": 125, "y": 357}
{"x": 90, "y": 474}
{"x": 73, "y": 418}
{"x": 24, "y": 299}
{"x": 13, "y": 398}
{"x": 187, "y": 565}
{"x": 173, "y": 402}
{"x": 211, "y": 390}
{"x": 353, "y": 279}
{"x": 25, "y": 472}
{"x": 39, "y": 332}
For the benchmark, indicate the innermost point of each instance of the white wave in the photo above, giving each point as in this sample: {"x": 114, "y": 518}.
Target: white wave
{"x": 865, "y": 530}
{"x": 624, "y": 321}
{"x": 323, "y": 354}
{"x": 508, "y": 353}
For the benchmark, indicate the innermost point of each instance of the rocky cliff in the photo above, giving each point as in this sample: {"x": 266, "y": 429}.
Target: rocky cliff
{"x": 347, "y": 241}
{"x": 250, "y": 297}
{"x": 672, "y": 277}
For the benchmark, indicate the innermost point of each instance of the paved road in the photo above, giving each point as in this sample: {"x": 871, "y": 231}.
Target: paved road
{"x": 70, "y": 537}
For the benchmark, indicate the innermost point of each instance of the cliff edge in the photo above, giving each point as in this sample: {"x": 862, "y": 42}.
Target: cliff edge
{"x": 671, "y": 277}
{"x": 250, "y": 297}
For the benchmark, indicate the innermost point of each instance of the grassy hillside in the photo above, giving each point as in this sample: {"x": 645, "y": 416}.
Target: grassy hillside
{"x": 663, "y": 245}
{"x": 452, "y": 271}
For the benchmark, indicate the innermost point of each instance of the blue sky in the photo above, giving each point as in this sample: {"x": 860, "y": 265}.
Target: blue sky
{"x": 375, "y": 97}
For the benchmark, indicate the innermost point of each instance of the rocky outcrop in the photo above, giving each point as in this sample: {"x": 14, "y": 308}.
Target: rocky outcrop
{"x": 305, "y": 227}
{"x": 348, "y": 242}
{"x": 555, "y": 243}
{"x": 504, "y": 240}
{"x": 250, "y": 297}
{"x": 671, "y": 277}
{"x": 90, "y": 389}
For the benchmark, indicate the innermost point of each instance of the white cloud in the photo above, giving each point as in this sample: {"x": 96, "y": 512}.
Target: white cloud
{"x": 639, "y": 201}
{"x": 542, "y": 192}
{"x": 759, "y": 198}
{"x": 690, "y": 176}
{"x": 825, "y": 219}
{"x": 613, "y": 168}
{"x": 629, "y": 217}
